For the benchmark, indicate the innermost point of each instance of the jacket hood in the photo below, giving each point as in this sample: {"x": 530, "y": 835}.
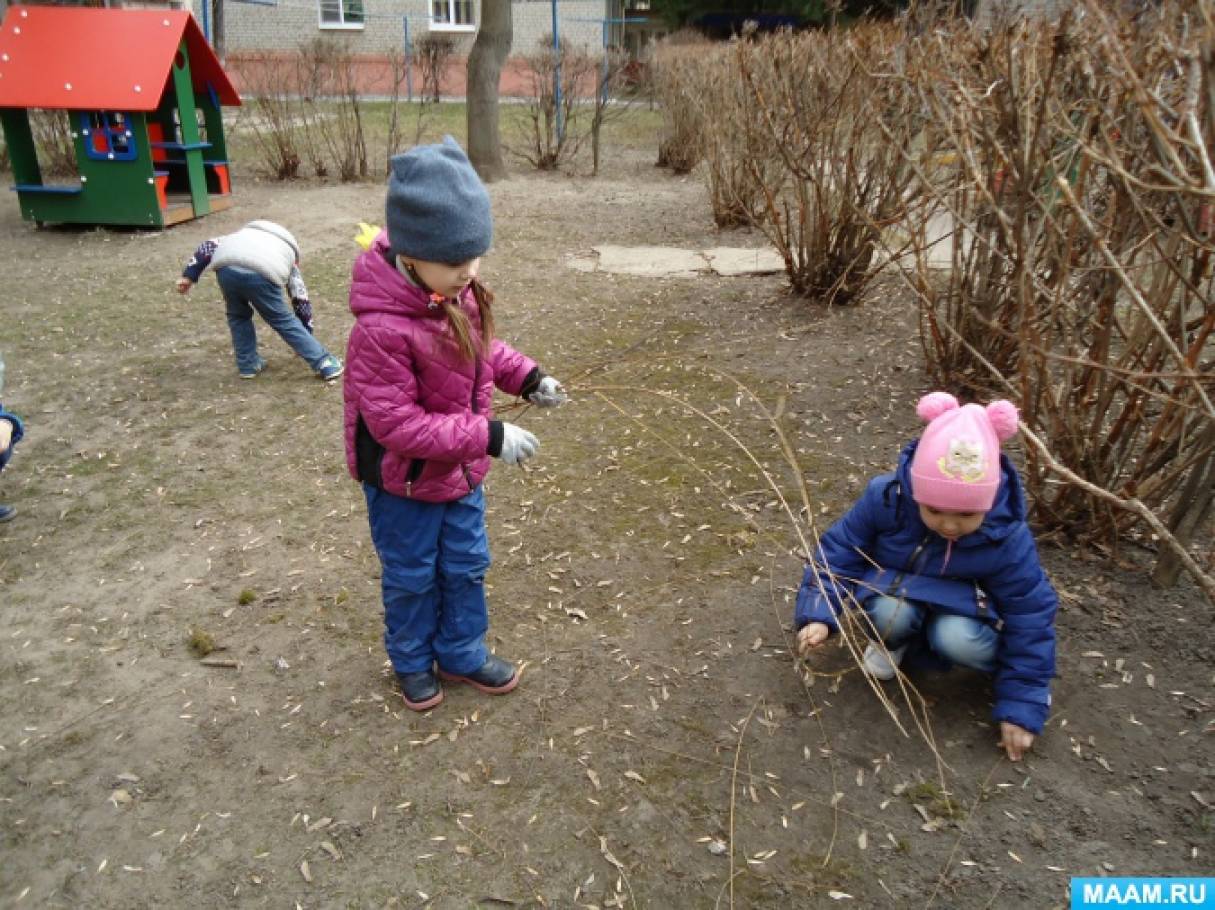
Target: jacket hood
{"x": 277, "y": 230}
{"x": 377, "y": 286}
{"x": 1006, "y": 514}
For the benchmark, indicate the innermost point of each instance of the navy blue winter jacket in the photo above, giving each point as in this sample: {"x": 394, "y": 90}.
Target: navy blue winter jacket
{"x": 882, "y": 547}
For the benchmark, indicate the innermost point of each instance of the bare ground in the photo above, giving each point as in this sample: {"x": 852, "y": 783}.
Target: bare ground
{"x": 662, "y": 750}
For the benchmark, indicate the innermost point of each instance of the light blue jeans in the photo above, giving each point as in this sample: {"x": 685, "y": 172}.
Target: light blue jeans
{"x": 434, "y": 556}
{"x": 245, "y": 292}
{"x": 959, "y": 639}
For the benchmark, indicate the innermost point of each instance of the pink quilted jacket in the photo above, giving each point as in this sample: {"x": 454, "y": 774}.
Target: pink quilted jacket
{"x": 417, "y": 415}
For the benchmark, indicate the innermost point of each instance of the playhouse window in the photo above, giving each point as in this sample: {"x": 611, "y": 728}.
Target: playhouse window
{"x": 341, "y": 13}
{"x": 107, "y": 136}
{"x": 451, "y": 15}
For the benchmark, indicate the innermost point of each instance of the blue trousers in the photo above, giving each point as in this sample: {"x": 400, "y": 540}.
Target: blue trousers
{"x": 434, "y": 557}
{"x": 959, "y": 639}
{"x": 246, "y": 292}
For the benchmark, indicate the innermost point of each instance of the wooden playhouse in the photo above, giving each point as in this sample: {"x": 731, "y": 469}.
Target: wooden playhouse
{"x": 142, "y": 91}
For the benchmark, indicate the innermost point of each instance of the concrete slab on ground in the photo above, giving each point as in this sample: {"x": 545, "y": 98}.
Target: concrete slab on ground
{"x": 673, "y": 262}
{"x": 730, "y": 261}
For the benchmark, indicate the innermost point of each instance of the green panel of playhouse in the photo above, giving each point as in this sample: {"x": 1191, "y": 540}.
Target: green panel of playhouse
{"x": 111, "y": 192}
{"x": 213, "y": 117}
{"x": 189, "y": 132}
{"x": 19, "y": 138}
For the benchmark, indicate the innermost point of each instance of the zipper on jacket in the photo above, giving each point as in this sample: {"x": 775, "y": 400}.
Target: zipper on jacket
{"x": 472, "y": 403}
{"x": 415, "y": 471}
{"x": 915, "y": 555}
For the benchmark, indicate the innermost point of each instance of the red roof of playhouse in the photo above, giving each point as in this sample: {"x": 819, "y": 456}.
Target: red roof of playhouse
{"x": 76, "y": 58}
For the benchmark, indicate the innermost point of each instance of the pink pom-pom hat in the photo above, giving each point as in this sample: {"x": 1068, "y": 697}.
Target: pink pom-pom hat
{"x": 956, "y": 466}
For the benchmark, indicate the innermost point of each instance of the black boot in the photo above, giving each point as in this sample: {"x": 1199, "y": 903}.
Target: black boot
{"x": 496, "y": 676}
{"x": 421, "y": 691}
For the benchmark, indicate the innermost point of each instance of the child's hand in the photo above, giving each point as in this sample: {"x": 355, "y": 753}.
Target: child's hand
{"x": 184, "y": 284}
{"x": 549, "y": 394}
{"x": 810, "y": 637}
{"x": 518, "y": 445}
{"x": 1014, "y": 740}
{"x": 6, "y": 435}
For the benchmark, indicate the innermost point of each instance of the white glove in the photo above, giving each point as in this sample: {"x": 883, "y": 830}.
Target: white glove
{"x": 548, "y": 394}
{"x": 518, "y": 444}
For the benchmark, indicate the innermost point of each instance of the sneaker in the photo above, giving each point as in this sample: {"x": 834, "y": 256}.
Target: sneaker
{"x": 252, "y": 374}
{"x": 496, "y": 676}
{"x": 880, "y": 663}
{"x": 330, "y": 369}
{"x": 7, "y": 513}
{"x": 421, "y": 691}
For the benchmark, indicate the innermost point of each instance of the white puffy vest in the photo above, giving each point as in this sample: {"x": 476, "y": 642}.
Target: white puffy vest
{"x": 260, "y": 246}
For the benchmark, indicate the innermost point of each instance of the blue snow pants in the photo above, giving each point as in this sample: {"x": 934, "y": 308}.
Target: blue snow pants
{"x": 434, "y": 556}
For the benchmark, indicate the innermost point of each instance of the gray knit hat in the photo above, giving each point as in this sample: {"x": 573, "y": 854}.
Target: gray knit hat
{"x": 438, "y": 208}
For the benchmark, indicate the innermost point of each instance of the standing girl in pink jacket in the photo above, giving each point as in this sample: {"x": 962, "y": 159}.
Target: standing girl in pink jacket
{"x": 421, "y": 367}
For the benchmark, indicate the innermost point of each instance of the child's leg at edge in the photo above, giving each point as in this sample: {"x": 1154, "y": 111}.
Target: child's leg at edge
{"x": 240, "y": 319}
{"x": 964, "y": 640}
{"x": 895, "y": 620}
{"x": 463, "y": 561}
{"x": 406, "y": 537}
{"x": 269, "y": 302}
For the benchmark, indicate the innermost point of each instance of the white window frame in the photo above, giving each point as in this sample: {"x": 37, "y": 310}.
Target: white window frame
{"x": 449, "y": 24}
{"x": 341, "y": 25}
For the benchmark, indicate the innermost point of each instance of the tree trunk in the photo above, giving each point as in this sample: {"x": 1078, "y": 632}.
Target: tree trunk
{"x": 485, "y": 63}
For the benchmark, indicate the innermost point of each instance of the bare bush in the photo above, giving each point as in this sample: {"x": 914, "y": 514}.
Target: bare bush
{"x": 434, "y": 54}
{"x": 614, "y": 95}
{"x": 328, "y": 73}
{"x": 680, "y": 78}
{"x": 740, "y": 162}
{"x": 811, "y": 100}
{"x": 554, "y": 130}
{"x": 274, "y": 117}
{"x": 1078, "y": 258}
{"x": 396, "y": 64}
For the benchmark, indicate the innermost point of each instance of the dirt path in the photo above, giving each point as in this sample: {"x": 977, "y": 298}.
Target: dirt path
{"x": 662, "y": 750}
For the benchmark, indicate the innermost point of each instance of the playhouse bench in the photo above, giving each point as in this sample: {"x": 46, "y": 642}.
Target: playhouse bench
{"x": 161, "y": 179}
{"x": 216, "y": 166}
{"x": 45, "y": 188}
{"x": 180, "y": 146}
{"x": 220, "y": 169}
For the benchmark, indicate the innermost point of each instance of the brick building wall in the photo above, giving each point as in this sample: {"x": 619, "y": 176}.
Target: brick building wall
{"x": 985, "y": 10}
{"x": 285, "y": 25}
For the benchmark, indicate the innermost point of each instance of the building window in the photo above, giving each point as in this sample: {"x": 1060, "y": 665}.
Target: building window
{"x": 452, "y": 15}
{"x": 341, "y": 13}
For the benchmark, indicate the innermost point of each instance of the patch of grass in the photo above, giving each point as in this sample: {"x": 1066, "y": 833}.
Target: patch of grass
{"x": 201, "y": 642}
{"x": 811, "y": 866}
{"x": 934, "y": 799}
{"x": 246, "y": 597}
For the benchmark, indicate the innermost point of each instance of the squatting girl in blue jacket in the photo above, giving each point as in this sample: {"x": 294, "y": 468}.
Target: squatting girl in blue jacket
{"x": 940, "y": 559}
